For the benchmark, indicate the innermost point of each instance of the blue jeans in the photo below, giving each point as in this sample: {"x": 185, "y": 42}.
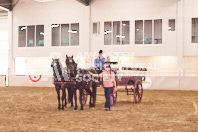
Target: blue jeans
{"x": 107, "y": 96}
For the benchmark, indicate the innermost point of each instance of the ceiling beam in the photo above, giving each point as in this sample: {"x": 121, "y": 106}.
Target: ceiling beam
{"x": 85, "y": 2}
{"x": 6, "y": 5}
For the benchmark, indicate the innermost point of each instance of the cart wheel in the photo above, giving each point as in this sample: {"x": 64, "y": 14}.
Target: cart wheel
{"x": 138, "y": 91}
{"x": 113, "y": 98}
{"x": 84, "y": 97}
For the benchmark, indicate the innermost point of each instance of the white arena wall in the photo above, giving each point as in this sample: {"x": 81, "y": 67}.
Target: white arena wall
{"x": 30, "y": 12}
{"x": 131, "y": 10}
{"x": 190, "y": 11}
{"x": 55, "y": 12}
{"x": 3, "y": 47}
{"x": 176, "y": 52}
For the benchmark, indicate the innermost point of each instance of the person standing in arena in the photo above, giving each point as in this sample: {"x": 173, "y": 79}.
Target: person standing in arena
{"x": 99, "y": 62}
{"x": 109, "y": 83}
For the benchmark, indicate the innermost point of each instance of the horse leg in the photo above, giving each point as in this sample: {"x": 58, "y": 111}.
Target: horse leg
{"x": 94, "y": 95}
{"x": 63, "y": 98}
{"x": 75, "y": 98}
{"x": 81, "y": 90}
{"x": 90, "y": 93}
{"x": 70, "y": 96}
{"x": 58, "y": 96}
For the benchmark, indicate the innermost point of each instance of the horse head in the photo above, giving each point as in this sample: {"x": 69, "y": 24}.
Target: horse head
{"x": 71, "y": 66}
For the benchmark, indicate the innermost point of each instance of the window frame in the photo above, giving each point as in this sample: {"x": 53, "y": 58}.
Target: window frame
{"x": 60, "y": 35}
{"x": 154, "y": 31}
{"x": 93, "y": 28}
{"x": 192, "y": 31}
{"x": 24, "y": 38}
{"x": 170, "y": 30}
{"x": 153, "y": 43}
{"x": 112, "y": 33}
{"x": 35, "y": 36}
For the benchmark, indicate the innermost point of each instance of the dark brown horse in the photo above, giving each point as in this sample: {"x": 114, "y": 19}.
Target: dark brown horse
{"x": 83, "y": 82}
{"x": 60, "y": 76}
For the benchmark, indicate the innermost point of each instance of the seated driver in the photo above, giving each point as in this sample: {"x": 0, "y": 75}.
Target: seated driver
{"x": 99, "y": 62}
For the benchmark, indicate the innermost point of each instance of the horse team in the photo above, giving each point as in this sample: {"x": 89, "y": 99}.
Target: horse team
{"x": 69, "y": 78}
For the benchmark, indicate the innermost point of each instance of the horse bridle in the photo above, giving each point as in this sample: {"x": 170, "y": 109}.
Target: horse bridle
{"x": 75, "y": 71}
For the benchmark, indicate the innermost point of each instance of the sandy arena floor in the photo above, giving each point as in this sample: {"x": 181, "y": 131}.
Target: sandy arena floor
{"x": 35, "y": 109}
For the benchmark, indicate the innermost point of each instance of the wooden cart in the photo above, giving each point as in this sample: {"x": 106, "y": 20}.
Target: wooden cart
{"x": 133, "y": 85}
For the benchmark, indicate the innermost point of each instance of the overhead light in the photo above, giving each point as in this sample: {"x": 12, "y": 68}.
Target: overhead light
{"x": 123, "y": 24}
{"x": 137, "y": 29}
{"x": 55, "y": 25}
{"x": 41, "y": 33}
{"x": 122, "y": 36}
{"x": 119, "y": 36}
{"x": 107, "y": 32}
{"x": 3, "y": 8}
{"x": 72, "y": 31}
{"x": 23, "y": 28}
{"x": 169, "y": 29}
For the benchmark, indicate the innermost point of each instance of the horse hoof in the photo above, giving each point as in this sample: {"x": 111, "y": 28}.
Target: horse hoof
{"x": 75, "y": 110}
{"x": 91, "y": 106}
{"x": 58, "y": 109}
{"x": 82, "y": 110}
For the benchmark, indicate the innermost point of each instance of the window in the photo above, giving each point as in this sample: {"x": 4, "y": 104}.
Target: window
{"x": 98, "y": 27}
{"x": 68, "y": 34}
{"x": 194, "y": 30}
{"x": 139, "y": 32}
{"x": 31, "y": 36}
{"x": 120, "y": 33}
{"x": 55, "y": 34}
{"x": 148, "y": 32}
{"x": 144, "y": 32}
{"x": 75, "y": 34}
{"x": 64, "y": 35}
{"x": 22, "y": 36}
{"x": 107, "y": 33}
{"x": 95, "y": 28}
{"x": 40, "y": 35}
{"x": 158, "y": 31}
{"x": 171, "y": 25}
{"x": 116, "y": 32}
{"x": 125, "y": 32}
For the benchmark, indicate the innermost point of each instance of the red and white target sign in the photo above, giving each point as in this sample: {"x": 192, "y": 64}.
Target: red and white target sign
{"x": 35, "y": 78}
